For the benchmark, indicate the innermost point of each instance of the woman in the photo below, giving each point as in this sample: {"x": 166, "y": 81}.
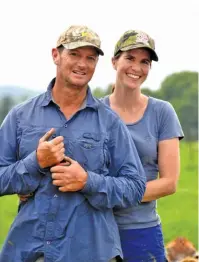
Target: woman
{"x": 156, "y": 130}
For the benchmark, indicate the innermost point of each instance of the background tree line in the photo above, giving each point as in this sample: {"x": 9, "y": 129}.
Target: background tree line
{"x": 180, "y": 89}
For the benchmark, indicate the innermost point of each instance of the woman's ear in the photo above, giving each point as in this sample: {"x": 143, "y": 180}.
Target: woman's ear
{"x": 114, "y": 63}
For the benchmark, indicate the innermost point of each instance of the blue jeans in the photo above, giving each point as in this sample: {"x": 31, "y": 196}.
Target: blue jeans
{"x": 143, "y": 245}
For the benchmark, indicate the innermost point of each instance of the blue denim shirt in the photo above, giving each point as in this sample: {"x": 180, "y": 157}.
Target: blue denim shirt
{"x": 72, "y": 226}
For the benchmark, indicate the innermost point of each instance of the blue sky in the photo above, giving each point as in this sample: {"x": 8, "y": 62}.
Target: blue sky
{"x": 30, "y": 28}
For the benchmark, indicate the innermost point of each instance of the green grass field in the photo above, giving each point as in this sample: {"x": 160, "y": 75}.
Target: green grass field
{"x": 179, "y": 212}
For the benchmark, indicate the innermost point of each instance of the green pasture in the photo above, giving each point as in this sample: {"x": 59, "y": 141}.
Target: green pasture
{"x": 179, "y": 212}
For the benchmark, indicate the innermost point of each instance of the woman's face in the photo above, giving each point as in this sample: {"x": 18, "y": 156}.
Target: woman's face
{"x": 132, "y": 67}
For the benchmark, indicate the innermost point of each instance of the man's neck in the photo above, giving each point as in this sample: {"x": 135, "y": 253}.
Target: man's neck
{"x": 69, "y": 96}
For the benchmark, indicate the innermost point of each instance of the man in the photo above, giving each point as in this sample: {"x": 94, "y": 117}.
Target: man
{"x": 77, "y": 159}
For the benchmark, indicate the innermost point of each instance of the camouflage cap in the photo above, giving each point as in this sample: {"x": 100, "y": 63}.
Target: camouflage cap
{"x": 136, "y": 39}
{"x": 78, "y": 36}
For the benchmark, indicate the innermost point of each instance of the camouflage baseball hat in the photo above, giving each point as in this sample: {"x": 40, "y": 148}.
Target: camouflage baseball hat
{"x": 136, "y": 39}
{"x": 78, "y": 36}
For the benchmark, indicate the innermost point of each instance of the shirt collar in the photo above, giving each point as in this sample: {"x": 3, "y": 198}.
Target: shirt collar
{"x": 90, "y": 101}
{"x": 48, "y": 94}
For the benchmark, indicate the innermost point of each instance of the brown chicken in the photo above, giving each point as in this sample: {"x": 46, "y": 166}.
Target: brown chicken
{"x": 181, "y": 249}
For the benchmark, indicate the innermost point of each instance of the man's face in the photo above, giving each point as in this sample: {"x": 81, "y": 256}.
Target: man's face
{"x": 76, "y": 67}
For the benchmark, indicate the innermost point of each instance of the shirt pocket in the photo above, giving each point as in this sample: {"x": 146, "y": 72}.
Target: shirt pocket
{"x": 30, "y": 139}
{"x": 87, "y": 149}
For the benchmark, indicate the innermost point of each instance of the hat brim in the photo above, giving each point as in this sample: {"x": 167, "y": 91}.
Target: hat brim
{"x": 153, "y": 53}
{"x": 75, "y": 45}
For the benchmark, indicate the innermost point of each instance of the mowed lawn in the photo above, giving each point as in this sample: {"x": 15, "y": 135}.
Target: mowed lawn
{"x": 179, "y": 212}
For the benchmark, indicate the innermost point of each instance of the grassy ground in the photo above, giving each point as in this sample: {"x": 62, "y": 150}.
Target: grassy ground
{"x": 8, "y": 209}
{"x": 179, "y": 212}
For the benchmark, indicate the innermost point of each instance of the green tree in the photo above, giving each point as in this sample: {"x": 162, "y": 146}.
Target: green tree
{"x": 177, "y": 84}
{"x": 100, "y": 92}
{"x": 181, "y": 90}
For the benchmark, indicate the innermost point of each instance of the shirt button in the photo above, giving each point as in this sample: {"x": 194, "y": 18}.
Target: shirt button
{"x": 55, "y": 195}
{"x": 65, "y": 125}
{"x": 48, "y": 242}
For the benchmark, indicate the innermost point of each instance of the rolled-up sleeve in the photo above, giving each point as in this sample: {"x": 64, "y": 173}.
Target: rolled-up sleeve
{"x": 125, "y": 184}
{"x": 16, "y": 176}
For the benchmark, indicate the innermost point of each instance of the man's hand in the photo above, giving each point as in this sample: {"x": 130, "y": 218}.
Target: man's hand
{"x": 24, "y": 198}
{"x": 69, "y": 178}
{"x": 50, "y": 153}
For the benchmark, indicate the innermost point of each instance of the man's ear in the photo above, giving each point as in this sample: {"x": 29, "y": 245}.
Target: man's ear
{"x": 114, "y": 63}
{"x": 55, "y": 55}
